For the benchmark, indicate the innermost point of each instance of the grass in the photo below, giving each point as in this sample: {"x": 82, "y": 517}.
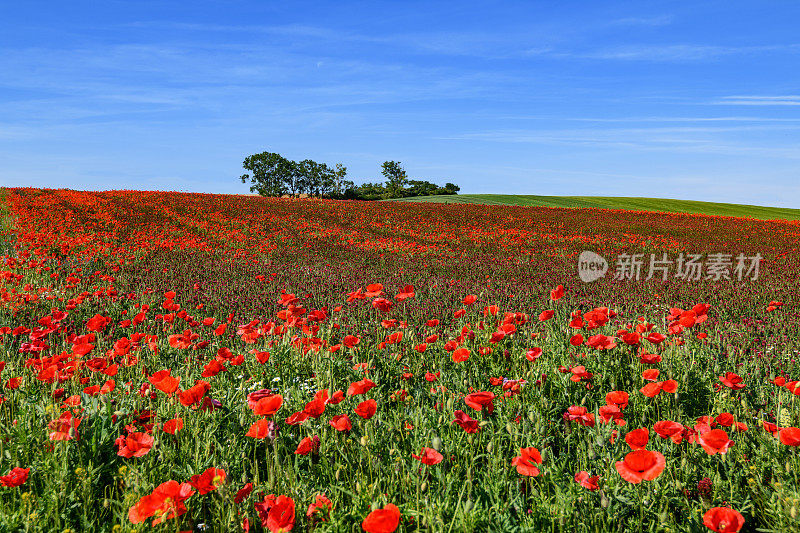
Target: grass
{"x": 611, "y": 202}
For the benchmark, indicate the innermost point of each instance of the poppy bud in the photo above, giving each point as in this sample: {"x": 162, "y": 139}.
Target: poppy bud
{"x": 424, "y": 486}
{"x": 338, "y": 473}
{"x": 489, "y": 448}
{"x": 510, "y": 427}
{"x": 468, "y": 505}
{"x": 364, "y": 440}
{"x": 358, "y": 486}
{"x": 604, "y": 502}
{"x": 436, "y": 442}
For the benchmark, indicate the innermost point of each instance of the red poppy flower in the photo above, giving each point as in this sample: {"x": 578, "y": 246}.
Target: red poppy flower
{"x": 469, "y": 299}
{"x": 481, "y": 400}
{"x": 576, "y": 340}
{"x": 136, "y": 444}
{"x": 359, "y": 387}
{"x": 320, "y": 504}
{"x": 268, "y": 406}
{"x": 732, "y": 381}
{"x": 724, "y": 419}
{"x": 259, "y": 429}
{"x": 601, "y": 342}
{"x": 641, "y": 465}
{"x": 618, "y": 398}
{"x": 649, "y": 358}
{"x": 546, "y": 315}
{"x": 714, "y": 441}
{"x": 533, "y": 354}
{"x": 669, "y": 429}
{"x": 366, "y": 409}
{"x": 280, "y": 516}
{"x": 580, "y": 415}
{"x": 243, "y": 493}
{"x": 653, "y": 389}
{"x": 163, "y": 381}
{"x": 166, "y": 501}
{"x": 212, "y": 368}
{"x": 525, "y": 461}
{"x": 611, "y": 412}
{"x": 97, "y": 323}
{"x": 195, "y": 393}
{"x": 337, "y": 397}
{"x": 209, "y": 480}
{"x": 64, "y": 427}
{"x": 316, "y": 407}
{"x": 341, "y": 423}
{"x": 651, "y": 374}
{"x": 467, "y": 424}
{"x": 790, "y": 436}
{"x": 557, "y": 293}
{"x": 350, "y": 341}
{"x": 723, "y": 520}
{"x": 586, "y": 481}
{"x": 308, "y": 445}
{"x": 174, "y": 425}
{"x": 429, "y": 456}
{"x": 405, "y": 293}
{"x": 16, "y": 477}
{"x": 383, "y": 520}
{"x": 637, "y": 439}
{"x": 460, "y": 355}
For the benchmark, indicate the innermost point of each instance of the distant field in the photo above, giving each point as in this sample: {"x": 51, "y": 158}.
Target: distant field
{"x": 606, "y": 202}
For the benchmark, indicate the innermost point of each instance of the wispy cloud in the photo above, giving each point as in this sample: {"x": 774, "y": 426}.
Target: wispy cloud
{"x": 661, "y": 20}
{"x": 684, "y": 52}
{"x": 790, "y": 100}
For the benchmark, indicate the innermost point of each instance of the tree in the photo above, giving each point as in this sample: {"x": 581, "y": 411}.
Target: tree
{"x": 451, "y": 188}
{"x": 396, "y": 178}
{"x": 317, "y": 179}
{"x": 270, "y": 173}
{"x": 338, "y": 177}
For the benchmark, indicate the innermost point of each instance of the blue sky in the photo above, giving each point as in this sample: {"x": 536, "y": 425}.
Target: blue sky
{"x": 692, "y": 100}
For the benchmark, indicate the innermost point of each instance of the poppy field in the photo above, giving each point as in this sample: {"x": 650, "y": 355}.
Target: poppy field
{"x": 189, "y": 362}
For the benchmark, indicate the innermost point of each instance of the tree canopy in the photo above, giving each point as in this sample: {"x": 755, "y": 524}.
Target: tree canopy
{"x": 271, "y": 174}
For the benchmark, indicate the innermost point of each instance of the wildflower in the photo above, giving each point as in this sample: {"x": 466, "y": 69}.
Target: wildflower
{"x": 480, "y": 400}
{"x": 525, "y": 461}
{"x": 341, "y": 423}
{"x": 383, "y": 520}
{"x": 586, "y": 481}
{"x": 714, "y": 441}
{"x": 136, "y": 444}
{"x": 468, "y": 424}
{"x": 16, "y": 477}
{"x": 723, "y": 520}
{"x": 165, "y": 502}
{"x": 366, "y": 409}
{"x": 209, "y": 480}
{"x": 428, "y": 456}
{"x": 641, "y": 465}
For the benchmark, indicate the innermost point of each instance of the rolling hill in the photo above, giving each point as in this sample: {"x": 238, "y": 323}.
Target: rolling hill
{"x": 608, "y": 202}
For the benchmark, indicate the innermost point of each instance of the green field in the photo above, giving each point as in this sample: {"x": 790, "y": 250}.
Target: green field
{"x": 607, "y": 202}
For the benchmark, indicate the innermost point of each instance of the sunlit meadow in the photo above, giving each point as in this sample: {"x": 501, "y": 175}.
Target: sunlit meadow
{"x": 188, "y": 362}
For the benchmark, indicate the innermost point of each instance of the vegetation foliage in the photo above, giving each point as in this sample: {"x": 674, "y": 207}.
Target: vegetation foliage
{"x": 184, "y": 362}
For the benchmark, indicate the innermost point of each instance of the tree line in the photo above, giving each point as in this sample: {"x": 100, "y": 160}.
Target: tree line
{"x": 271, "y": 174}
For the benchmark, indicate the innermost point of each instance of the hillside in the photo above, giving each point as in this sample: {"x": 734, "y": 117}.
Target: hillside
{"x": 607, "y": 202}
